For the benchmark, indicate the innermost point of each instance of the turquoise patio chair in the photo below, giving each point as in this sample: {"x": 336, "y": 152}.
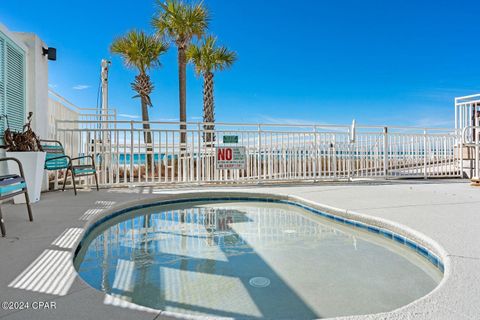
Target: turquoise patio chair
{"x": 12, "y": 185}
{"x": 57, "y": 160}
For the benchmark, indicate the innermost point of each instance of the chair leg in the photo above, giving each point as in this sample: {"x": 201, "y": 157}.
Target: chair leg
{"x": 65, "y": 179}
{"x": 2, "y": 224}
{"x": 96, "y": 180}
{"x": 29, "y": 209}
{"x": 73, "y": 181}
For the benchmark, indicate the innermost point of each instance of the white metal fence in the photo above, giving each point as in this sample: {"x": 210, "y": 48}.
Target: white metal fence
{"x": 467, "y": 125}
{"x": 467, "y": 112}
{"x": 471, "y": 149}
{"x": 63, "y": 109}
{"x": 274, "y": 152}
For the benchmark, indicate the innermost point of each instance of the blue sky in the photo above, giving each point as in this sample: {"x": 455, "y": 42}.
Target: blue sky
{"x": 324, "y": 61}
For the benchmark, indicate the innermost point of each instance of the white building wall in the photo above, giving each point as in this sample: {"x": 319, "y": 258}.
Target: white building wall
{"x": 58, "y": 111}
{"x": 37, "y": 81}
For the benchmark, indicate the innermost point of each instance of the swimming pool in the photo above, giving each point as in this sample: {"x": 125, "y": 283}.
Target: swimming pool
{"x": 250, "y": 259}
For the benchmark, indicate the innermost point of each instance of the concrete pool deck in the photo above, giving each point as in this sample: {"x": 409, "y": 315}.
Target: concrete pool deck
{"x": 36, "y": 257}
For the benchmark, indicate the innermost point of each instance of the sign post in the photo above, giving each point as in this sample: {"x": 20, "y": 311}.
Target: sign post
{"x": 231, "y": 158}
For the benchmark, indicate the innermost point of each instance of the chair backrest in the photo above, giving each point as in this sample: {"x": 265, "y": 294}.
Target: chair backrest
{"x": 54, "y": 149}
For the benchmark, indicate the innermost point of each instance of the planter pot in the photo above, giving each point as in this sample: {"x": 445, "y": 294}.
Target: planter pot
{"x": 33, "y": 163}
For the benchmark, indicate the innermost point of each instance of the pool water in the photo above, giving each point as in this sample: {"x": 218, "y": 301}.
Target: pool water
{"x": 250, "y": 260}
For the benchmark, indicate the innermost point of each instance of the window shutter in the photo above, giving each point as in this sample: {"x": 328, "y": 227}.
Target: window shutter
{"x": 15, "y": 88}
{"x": 12, "y": 85}
{"x": 2, "y": 84}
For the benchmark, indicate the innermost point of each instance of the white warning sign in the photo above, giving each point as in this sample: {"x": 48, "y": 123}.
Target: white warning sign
{"x": 231, "y": 158}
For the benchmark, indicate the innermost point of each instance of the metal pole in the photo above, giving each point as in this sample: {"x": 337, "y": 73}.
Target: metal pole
{"x": 259, "y": 160}
{"x": 385, "y": 152}
{"x": 199, "y": 151}
{"x": 315, "y": 146}
{"x": 131, "y": 151}
{"x": 456, "y": 117}
{"x": 104, "y": 112}
{"x": 425, "y": 154}
{"x": 477, "y": 142}
{"x": 353, "y": 137}
{"x": 105, "y": 135}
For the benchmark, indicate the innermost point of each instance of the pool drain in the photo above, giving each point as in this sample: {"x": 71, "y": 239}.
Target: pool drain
{"x": 259, "y": 282}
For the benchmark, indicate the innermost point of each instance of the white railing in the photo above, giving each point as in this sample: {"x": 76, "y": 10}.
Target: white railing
{"x": 83, "y": 114}
{"x": 471, "y": 144}
{"x": 467, "y": 112}
{"x": 275, "y": 152}
{"x": 59, "y": 108}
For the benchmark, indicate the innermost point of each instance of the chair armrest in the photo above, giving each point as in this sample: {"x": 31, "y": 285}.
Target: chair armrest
{"x": 59, "y": 157}
{"x": 20, "y": 167}
{"x": 84, "y": 157}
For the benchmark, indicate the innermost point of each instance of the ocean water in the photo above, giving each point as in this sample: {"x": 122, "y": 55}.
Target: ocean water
{"x": 157, "y": 157}
{"x": 142, "y": 158}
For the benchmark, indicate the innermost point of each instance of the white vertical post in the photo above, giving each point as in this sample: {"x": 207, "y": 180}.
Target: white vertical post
{"x": 353, "y": 138}
{"x": 198, "y": 157}
{"x": 456, "y": 117}
{"x": 425, "y": 142}
{"x": 131, "y": 151}
{"x": 103, "y": 118}
{"x": 334, "y": 156}
{"x": 477, "y": 141}
{"x": 315, "y": 146}
{"x": 385, "y": 152}
{"x": 104, "y": 111}
{"x": 259, "y": 160}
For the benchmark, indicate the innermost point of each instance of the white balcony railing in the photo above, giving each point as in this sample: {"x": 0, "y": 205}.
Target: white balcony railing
{"x": 275, "y": 152}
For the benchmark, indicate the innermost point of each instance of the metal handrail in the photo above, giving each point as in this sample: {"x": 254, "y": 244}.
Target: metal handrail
{"x": 71, "y": 104}
{"x": 476, "y": 145}
{"x": 256, "y": 125}
{"x": 463, "y": 136}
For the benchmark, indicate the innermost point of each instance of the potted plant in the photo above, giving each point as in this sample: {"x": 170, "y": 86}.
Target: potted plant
{"x": 25, "y": 146}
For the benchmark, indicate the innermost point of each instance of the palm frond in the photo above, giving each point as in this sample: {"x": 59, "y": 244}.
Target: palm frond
{"x": 180, "y": 21}
{"x": 208, "y": 57}
{"x": 139, "y": 50}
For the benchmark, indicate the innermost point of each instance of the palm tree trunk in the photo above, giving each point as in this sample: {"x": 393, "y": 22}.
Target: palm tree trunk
{"x": 208, "y": 109}
{"x": 147, "y": 136}
{"x": 182, "y": 78}
{"x": 143, "y": 86}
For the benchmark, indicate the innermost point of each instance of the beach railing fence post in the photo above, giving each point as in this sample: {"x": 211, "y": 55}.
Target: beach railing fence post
{"x": 353, "y": 140}
{"x": 259, "y": 155}
{"x": 334, "y": 157}
{"x": 460, "y": 147}
{"x": 385, "y": 153}
{"x": 199, "y": 155}
{"x": 425, "y": 154}
{"x": 315, "y": 150}
{"x": 131, "y": 151}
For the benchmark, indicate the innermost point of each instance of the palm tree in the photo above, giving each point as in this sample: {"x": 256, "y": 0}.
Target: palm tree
{"x": 142, "y": 52}
{"x": 207, "y": 59}
{"x": 180, "y": 22}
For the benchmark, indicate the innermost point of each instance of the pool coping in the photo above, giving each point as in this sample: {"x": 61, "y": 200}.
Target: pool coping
{"x": 415, "y": 241}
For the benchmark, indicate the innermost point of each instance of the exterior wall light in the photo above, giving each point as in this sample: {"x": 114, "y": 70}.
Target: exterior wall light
{"x": 51, "y": 53}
